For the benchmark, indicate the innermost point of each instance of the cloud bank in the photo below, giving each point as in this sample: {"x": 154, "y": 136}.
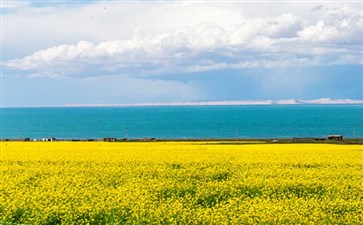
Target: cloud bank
{"x": 283, "y": 41}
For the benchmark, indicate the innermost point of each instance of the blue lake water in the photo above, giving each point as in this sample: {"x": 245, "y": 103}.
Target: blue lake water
{"x": 268, "y": 121}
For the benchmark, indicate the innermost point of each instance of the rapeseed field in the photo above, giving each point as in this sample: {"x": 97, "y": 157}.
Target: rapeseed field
{"x": 180, "y": 183}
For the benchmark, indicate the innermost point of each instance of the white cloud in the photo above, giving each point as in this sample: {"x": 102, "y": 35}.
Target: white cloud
{"x": 343, "y": 27}
{"x": 34, "y": 28}
{"x": 286, "y": 40}
{"x": 285, "y": 26}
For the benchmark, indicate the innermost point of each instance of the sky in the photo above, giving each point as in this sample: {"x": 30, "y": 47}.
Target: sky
{"x": 122, "y": 52}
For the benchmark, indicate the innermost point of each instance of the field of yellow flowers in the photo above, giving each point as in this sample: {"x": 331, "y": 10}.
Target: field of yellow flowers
{"x": 180, "y": 183}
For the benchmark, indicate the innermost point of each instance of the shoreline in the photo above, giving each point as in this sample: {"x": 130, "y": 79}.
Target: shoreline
{"x": 298, "y": 140}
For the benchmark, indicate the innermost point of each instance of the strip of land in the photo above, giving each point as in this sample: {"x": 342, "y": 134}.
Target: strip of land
{"x": 316, "y": 140}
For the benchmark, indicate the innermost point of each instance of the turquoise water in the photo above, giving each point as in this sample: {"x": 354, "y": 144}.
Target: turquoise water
{"x": 269, "y": 121}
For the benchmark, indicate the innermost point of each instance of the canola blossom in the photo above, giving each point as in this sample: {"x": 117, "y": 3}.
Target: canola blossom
{"x": 180, "y": 183}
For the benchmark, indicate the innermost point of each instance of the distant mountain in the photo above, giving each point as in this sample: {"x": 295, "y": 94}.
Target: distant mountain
{"x": 217, "y": 103}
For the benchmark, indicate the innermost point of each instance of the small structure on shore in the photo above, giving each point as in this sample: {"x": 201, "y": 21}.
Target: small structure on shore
{"x": 109, "y": 139}
{"x": 335, "y": 137}
{"x": 147, "y": 139}
{"x": 48, "y": 139}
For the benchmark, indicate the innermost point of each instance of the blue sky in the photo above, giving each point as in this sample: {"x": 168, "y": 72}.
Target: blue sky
{"x": 116, "y": 52}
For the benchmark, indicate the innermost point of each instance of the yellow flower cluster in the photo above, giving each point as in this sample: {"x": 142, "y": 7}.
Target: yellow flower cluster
{"x": 180, "y": 183}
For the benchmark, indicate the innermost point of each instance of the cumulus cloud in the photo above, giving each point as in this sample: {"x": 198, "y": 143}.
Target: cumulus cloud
{"x": 287, "y": 40}
{"x": 341, "y": 27}
{"x": 285, "y": 26}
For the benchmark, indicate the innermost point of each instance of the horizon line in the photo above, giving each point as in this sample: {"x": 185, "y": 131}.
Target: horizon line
{"x": 320, "y": 101}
